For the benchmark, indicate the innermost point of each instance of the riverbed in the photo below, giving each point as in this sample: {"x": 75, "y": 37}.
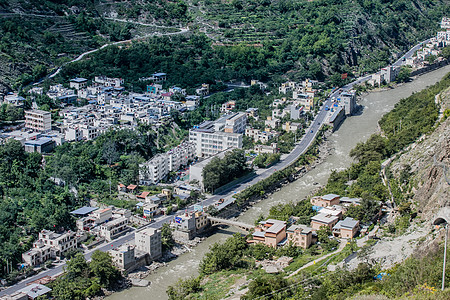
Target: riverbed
{"x": 355, "y": 129}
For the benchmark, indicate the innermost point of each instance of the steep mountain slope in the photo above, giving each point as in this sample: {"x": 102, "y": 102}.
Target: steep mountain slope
{"x": 428, "y": 163}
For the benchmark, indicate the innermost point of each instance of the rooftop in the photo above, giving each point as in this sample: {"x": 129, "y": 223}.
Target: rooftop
{"x": 347, "y": 223}
{"x": 329, "y": 197}
{"x": 303, "y": 228}
{"x": 35, "y": 290}
{"x": 323, "y": 218}
{"x": 78, "y": 79}
{"x": 83, "y": 210}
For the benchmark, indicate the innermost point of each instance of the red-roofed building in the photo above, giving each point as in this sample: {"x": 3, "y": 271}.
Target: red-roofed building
{"x": 132, "y": 188}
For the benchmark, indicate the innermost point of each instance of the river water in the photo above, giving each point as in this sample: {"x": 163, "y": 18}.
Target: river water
{"x": 354, "y": 129}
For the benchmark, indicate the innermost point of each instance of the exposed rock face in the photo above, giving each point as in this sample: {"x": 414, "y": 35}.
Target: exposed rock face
{"x": 428, "y": 159}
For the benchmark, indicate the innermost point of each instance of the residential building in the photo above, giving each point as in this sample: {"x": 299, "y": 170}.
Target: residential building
{"x": 262, "y": 86}
{"x": 78, "y": 83}
{"x": 291, "y": 126}
{"x": 235, "y": 123}
{"x": 38, "y": 120}
{"x": 196, "y": 170}
{"x": 100, "y": 216}
{"x": 321, "y": 220}
{"x": 14, "y": 99}
{"x": 158, "y": 77}
{"x": 326, "y": 200}
{"x": 50, "y": 245}
{"x": 346, "y": 201}
{"x": 270, "y": 232}
{"x": 300, "y": 235}
{"x": 296, "y": 111}
{"x": 228, "y": 106}
{"x": 154, "y": 170}
{"x": 150, "y": 210}
{"x": 123, "y": 256}
{"x": 272, "y": 122}
{"x": 273, "y": 148}
{"x": 180, "y": 156}
{"x": 260, "y": 136}
{"x": 252, "y": 112}
{"x": 346, "y": 228}
{"x": 112, "y": 229}
{"x": 348, "y": 99}
{"x": 209, "y": 138}
{"x": 335, "y": 211}
{"x": 203, "y": 90}
{"x": 73, "y": 134}
{"x": 148, "y": 240}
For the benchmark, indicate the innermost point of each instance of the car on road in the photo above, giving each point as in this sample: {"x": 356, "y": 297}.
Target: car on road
{"x": 312, "y": 131}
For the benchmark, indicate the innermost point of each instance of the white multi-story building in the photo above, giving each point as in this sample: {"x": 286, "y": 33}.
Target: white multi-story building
{"x": 73, "y": 134}
{"x": 157, "y": 168}
{"x": 212, "y": 137}
{"x": 50, "y": 245}
{"x": 38, "y": 120}
{"x": 148, "y": 241}
{"x": 112, "y": 229}
{"x": 208, "y": 141}
{"x": 236, "y": 123}
{"x": 154, "y": 170}
{"x": 180, "y": 155}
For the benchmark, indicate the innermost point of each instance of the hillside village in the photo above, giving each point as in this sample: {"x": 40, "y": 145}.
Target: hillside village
{"x": 89, "y": 108}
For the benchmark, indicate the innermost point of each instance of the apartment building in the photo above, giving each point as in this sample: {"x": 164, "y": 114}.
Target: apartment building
{"x": 148, "y": 240}
{"x": 154, "y": 170}
{"x": 50, "y": 245}
{"x": 112, "y": 229}
{"x": 300, "y": 235}
{"x": 180, "y": 155}
{"x": 209, "y": 138}
{"x": 38, "y": 120}
{"x": 270, "y": 232}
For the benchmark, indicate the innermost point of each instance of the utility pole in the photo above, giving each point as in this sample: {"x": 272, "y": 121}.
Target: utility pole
{"x": 445, "y": 257}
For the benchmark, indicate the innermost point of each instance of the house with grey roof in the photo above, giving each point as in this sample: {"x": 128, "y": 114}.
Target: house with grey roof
{"x": 346, "y": 228}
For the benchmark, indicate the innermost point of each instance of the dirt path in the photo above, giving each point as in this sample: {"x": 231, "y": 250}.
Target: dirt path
{"x": 341, "y": 247}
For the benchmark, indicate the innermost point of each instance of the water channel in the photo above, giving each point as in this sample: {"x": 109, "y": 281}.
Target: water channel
{"x": 355, "y": 129}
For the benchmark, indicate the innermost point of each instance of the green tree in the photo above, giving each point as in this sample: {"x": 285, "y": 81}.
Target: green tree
{"x": 167, "y": 237}
{"x": 102, "y": 267}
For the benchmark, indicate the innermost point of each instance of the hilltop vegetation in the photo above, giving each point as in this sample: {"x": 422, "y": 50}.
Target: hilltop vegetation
{"x": 244, "y": 39}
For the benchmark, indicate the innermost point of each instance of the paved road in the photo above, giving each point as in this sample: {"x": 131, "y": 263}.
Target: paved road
{"x": 299, "y": 149}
